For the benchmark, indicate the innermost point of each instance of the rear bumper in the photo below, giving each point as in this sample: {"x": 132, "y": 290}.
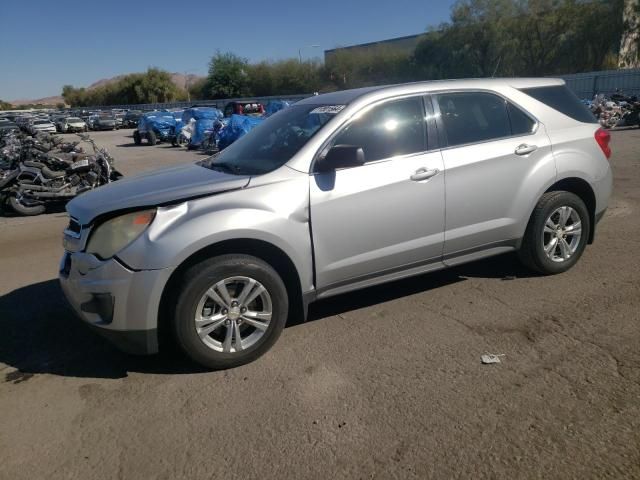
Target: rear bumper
{"x": 119, "y": 303}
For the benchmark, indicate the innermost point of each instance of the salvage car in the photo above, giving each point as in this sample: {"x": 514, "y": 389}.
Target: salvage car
{"x": 41, "y": 126}
{"x": 102, "y": 122}
{"x": 336, "y": 193}
{"x": 71, "y": 124}
{"x": 131, "y": 118}
{"x": 157, "y": 126}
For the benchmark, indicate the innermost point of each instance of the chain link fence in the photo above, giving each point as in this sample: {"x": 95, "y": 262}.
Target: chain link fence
{"x": 588, "y": 84}
{"x": 220, "y": 103}
{"x": 585, "y": 85}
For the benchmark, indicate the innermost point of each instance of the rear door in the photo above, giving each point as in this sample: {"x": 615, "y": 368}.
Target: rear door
{"x": 387, "y": 215}
{"x": 493, "y": 150}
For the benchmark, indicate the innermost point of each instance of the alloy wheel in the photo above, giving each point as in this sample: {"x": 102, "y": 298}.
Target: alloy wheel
{"x": 561, "y": 234}
{"x": 233, "y": 314}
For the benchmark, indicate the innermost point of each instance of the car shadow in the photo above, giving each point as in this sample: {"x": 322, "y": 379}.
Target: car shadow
{"x": 41, "y": 334}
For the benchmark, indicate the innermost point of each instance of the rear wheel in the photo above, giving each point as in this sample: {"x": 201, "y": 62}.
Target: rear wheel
{"x": 557, "y": 233}
{"x": 136, "y": 138}
{"x": 151, "y": 136}
{"x": 230, "y": 311}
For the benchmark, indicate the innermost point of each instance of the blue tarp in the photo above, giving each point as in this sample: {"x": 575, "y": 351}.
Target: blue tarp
{"x": 237, "y": 126}
{"x": 161, "y": 122}
{"x": 275, "y": 106}
{"x": 201, "y": 113}
{"x": 201, "y": 127}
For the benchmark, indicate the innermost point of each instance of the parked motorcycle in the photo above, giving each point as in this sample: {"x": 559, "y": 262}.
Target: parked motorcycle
{"x": 37, "y": 176}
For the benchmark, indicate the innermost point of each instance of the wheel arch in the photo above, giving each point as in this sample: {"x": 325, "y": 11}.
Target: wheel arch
{"x": 582, "y": 189}
{"x": 261, "y": 249}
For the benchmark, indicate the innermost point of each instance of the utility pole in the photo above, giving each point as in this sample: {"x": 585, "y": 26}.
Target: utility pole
{"x": 307, "y": 46}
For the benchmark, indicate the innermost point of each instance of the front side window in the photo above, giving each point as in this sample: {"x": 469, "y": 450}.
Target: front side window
{"x": 473, "y": 117}
{"x": 388, "y": 130}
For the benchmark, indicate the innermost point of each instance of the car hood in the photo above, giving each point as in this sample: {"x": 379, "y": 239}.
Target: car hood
{"x": 152, "y": 189}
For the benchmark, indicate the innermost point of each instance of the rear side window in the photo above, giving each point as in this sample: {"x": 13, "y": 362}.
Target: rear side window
{"x": 521, "y": 123}
{"x": 388, "y": 130}
{"x": 473, "y": 117}
{"x": 562, "y": 99}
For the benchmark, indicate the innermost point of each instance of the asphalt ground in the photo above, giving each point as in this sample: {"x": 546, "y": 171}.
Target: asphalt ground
{"x": 382, "y": 383}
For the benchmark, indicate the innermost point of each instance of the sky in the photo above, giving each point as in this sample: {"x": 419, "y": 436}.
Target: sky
{"x": 47, "y": 44}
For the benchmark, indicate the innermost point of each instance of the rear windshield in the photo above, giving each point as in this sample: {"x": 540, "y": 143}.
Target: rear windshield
{"x": 562, "y": 99}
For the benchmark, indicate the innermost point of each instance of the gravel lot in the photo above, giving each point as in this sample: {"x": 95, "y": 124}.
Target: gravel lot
{"x": 383, "y": 383}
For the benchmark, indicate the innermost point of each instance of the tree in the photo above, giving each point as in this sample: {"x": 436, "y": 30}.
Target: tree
{"x": 630, "y": 44}
{"x": 525, "y": 37}
{"x": 5, "y": 105}
{"x": 227, "y": 77}
{"x": 153, "y": 86}
{"x": 197, "y": 89}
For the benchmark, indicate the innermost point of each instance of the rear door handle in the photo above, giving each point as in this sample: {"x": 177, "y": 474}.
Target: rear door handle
{"x": 424, "y": 174}
{"x": 525, "y": 149}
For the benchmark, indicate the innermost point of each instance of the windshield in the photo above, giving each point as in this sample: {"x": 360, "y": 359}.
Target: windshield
{"x": 73, "y": 120}
{"x": 41, "y": 122}
{"x": 274, "y": 142}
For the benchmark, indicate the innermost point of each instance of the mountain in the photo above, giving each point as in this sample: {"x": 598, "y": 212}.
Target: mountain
{"x": 43, "y": 101}
{"x": 180, "y": 79}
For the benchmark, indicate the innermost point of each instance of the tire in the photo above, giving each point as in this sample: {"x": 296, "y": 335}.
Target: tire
{"x": 136, "y": 137}
{"x": 86, "y": 129}
{"x": 204, "y": 277}
{"x": 538, "y": 234}
{"x": 25, "y": 210}
{"x": 151, "y": 136}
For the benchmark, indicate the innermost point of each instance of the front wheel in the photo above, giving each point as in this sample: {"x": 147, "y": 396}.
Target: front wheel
{"x": 557, "y": 233}
{"x": 230, "y": 311}
{"x": 136, "y": 138}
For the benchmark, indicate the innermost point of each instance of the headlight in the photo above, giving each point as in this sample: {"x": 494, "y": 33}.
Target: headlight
{"x": 115, "y": 234}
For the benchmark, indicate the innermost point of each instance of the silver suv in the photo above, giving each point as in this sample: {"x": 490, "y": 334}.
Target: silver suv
{"x": 338, "y": 192}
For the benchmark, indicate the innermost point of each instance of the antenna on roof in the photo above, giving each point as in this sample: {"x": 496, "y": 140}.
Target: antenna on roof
{"x": 497, "y": 65}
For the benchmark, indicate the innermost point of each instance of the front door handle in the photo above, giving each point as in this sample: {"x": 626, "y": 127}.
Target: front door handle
{"x": 424, "y": 174}
{"x": 525, "y": 149}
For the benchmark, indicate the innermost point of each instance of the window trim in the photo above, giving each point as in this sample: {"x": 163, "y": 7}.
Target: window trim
{"x": 443, "y": 131}
{"x": 420, "y": 96}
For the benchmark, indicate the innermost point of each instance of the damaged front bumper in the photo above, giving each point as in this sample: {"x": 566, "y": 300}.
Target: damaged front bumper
{"x": 120, "y": 303}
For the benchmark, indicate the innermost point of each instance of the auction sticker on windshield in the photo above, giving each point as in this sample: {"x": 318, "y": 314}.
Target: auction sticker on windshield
{"x": 328, "y": 109}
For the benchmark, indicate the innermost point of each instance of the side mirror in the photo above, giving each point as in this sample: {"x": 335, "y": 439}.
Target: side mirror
{"x": 341, "y": 156}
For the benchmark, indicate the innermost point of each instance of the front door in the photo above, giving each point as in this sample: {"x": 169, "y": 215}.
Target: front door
{"x": 386, "y": 216}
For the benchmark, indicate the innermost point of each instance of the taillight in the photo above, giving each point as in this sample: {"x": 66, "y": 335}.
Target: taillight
{"x": 603, "y": 138}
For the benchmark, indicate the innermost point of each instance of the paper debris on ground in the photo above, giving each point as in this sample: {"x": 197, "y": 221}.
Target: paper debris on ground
{"x": 491, "y": 358}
